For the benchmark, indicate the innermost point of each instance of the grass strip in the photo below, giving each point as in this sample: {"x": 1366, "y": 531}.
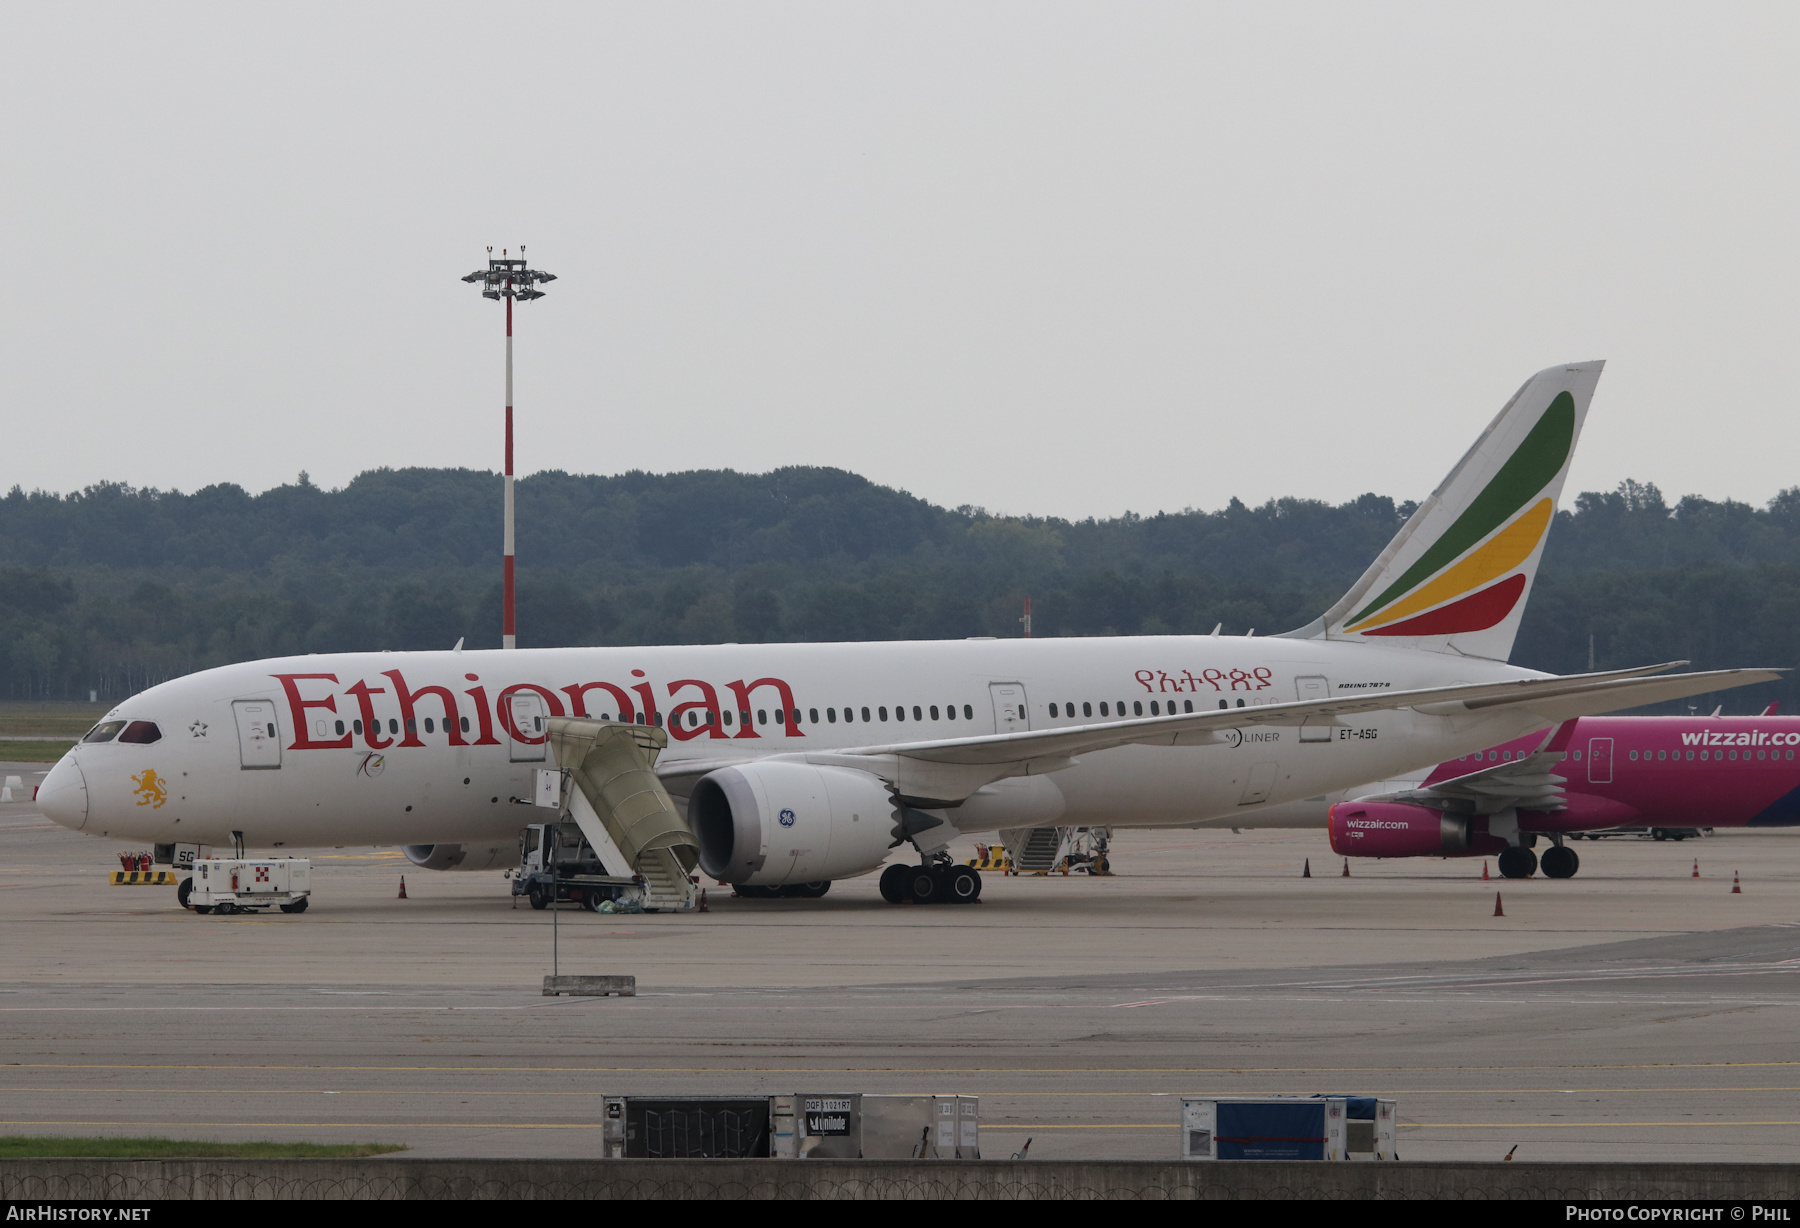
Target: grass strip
{"x": 34, "y": 752}
{"x": 39, "y": 1147}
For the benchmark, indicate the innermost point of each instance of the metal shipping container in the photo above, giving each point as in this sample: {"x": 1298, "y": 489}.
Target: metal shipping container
{"x": 1287, "y": 1128}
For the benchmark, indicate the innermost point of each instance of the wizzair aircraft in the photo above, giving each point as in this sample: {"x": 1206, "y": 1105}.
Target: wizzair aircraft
{"x": 1586, "y": 775}
{"x": 798, "y": 764}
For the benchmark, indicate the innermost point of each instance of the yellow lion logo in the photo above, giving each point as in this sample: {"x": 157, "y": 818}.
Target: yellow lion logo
{"x": 151, "y": 790}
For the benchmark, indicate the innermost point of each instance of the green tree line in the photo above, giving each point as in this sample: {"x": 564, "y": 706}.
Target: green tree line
{"x": 113, "y": 588}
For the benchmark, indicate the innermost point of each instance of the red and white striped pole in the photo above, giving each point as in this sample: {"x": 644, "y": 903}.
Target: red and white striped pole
{"x": 508, "y": 278}
{"x": 508, "y": 630}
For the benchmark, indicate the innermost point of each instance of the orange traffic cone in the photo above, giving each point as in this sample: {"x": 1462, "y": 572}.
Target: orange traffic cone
{"x": 1346, "y": 867}
{"x": 1498, "y": 911}
{"x": 1735, "y": 889}
{"x": 1306, "y": 870}
{"x": 1696, "y": 873}
{"x": 402, "y": 894}
{"x": 1484, "y": 873}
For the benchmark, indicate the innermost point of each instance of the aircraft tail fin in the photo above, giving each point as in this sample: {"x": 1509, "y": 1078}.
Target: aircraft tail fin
{"x": 1456, "y": 577}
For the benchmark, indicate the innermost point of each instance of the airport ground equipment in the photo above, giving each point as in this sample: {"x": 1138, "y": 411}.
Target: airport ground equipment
{"x": 144, "y": 878}
{"x": 1059, "y": 850}
{"x": 229, "y": 884}
{"x": 806, "y": 1125}
{"x": 181, "y": 856}
{"x": 991, "y": 857}
{"x": 870, "y": 1127}
{"x": 1287, "y": 1128}
{"x": 609, "y": 789}
{"x": 557, "y": 863}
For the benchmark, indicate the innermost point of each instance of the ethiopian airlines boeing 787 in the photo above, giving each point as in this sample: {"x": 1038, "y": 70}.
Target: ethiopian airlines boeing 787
{"x": 801, "y": 763}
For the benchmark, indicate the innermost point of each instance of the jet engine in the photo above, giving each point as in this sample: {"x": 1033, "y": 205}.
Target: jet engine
{"x": 463, "y": 856}
{"x": 1393, "y": 829}
{"x": 764, "y": 824}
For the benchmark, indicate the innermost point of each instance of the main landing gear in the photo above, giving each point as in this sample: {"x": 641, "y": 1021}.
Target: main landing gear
{"x": 930, "y": 884}
{"x": 1559, "y": 861}
{"x": 1518, "y": 862}
{"x": 792, "y": 891}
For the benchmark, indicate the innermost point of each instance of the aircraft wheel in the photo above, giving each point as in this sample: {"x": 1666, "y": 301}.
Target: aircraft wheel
{"x": 184, "y": 891}
{"x": 1518, "y": 862}
{"x": 963, "y": 885}
{"x": 924, "y": 886}
{"x": 1560, "y": 862}
{"x": 894, "y": 885}
{"x": 540, "y": 900}
{"x": 807, "y": 891}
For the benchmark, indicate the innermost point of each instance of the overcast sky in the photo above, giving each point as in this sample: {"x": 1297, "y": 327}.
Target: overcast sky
{"x": 1045, "y": 258}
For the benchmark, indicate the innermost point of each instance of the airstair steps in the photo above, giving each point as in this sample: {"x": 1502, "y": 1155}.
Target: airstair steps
{"x": 1043, "y": 849}
{"x": 666, "y": 883}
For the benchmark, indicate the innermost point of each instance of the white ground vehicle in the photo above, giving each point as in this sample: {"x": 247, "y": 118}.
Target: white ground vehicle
{"x": 230, "y": 884}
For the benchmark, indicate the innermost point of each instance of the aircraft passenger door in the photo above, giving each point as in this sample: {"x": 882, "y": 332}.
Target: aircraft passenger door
{"x": 1012, "y": 712}
{"x": 1261, "y": 782}
{"x": 1600, "y": 761}
{"x": 527, "y": 735}
{"x": 259, "y": 735}
{"x": 1314, "y": 689}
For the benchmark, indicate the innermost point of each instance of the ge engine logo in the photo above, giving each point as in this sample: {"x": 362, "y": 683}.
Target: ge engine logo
{"x": 787, "y": 818}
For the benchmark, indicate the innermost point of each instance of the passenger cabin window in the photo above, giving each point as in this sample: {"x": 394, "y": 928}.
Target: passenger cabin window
{"x": 882, "y": 713}
{"x": 141, "y": 733}
{"x": 899, "y": 712}
{"x": 1087, "y": 709}
{"x": 916, "y": 715}
{"x": 865, "y": 715}
{"x": 934, "y": 714}
{"x": 831, "y": 716}
{"x": 950, "y": 711}
{"x": 968, "y": 713}
{"x": 762, "y": 716}
{"x": 1103, "y": 709}
{"x": 105, "y": 731}
{"x": 340, "y": 726}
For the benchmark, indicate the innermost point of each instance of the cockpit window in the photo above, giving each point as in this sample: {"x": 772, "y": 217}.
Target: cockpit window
{"x": 141, "y": 732}
{"x": 105, "y": 731}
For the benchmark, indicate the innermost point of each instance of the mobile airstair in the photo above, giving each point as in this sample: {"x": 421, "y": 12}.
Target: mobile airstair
{"x": 611, "y": 791}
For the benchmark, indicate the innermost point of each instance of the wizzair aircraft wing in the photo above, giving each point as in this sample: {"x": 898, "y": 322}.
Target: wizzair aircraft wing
{"x": 992, "y": 756}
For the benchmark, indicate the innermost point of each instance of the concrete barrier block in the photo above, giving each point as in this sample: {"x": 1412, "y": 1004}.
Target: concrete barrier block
{"x": 591, "y": 986}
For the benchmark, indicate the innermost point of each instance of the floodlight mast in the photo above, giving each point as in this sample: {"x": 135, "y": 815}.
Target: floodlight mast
{"x": 507, "y": 278}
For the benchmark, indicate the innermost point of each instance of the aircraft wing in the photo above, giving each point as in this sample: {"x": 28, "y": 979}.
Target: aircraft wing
{"x": 1529, "y": 783}
{"x": 1556, "y": 699}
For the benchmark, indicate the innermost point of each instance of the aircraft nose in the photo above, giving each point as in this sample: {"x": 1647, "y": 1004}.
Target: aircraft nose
{"x": 63, "y": 796}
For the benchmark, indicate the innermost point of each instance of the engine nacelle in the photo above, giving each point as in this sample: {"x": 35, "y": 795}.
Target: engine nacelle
{"x": 764, "y": 824}
{"x": 1393, "y": 829}
{"x": 463, "y": 856}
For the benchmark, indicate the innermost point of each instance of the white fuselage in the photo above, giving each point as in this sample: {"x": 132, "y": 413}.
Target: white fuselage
{"x": 341, "y": 769}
